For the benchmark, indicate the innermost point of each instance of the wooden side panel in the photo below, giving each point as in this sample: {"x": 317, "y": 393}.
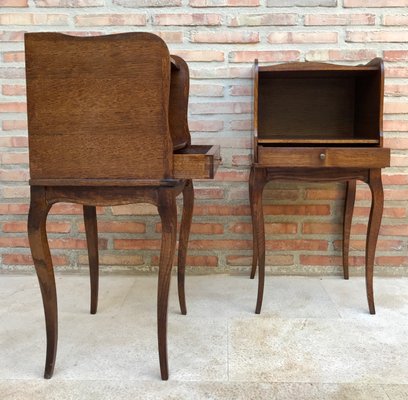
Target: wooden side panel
{"x": 98, "y": 106}
{"x": 178, "y": 107}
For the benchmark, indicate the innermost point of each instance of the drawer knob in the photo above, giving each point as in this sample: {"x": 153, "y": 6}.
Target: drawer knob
{"x": 322, "y": 156}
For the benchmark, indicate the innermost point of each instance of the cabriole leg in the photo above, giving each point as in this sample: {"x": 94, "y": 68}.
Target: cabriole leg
{"x": 40, "y": 252}
{"x": 348, "y": 216}
{"x": 168, "y": 214}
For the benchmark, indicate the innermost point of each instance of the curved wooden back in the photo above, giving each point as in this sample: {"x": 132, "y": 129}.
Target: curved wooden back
{"x": 98, "y": 107}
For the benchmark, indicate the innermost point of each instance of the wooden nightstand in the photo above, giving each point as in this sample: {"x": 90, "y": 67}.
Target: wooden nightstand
{"x": 319, "y": 122}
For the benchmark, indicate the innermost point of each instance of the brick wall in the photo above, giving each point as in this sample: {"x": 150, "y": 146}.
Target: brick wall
{"x": 219, "y": 39}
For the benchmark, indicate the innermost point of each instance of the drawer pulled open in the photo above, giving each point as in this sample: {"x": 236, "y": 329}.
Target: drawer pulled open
{"x": 197, "y": 162}
{"x": 319, "y": 157}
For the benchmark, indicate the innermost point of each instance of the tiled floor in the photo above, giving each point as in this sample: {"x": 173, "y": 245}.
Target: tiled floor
{"x": 313, "y": 340}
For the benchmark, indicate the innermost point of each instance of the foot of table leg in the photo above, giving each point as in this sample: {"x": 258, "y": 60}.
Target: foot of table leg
{"x": 91, "y": 230}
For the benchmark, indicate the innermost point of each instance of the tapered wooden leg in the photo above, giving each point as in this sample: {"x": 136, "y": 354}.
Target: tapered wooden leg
{"x": 258, "y": 182}
{"x": 348, "y": 216}
{"x": 168, "y": 214}
{"x": 40, "y": 252}
{"x": 254, "y": 227}
{"x": 91, "y": 229}
{"x": 188, "y": 205}
{"x": 374, "y": 222}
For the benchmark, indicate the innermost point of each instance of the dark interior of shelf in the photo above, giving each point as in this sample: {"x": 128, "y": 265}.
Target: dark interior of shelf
{"x": 312, "y": 105}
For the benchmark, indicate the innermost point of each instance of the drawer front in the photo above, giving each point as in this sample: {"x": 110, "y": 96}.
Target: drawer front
{"x": 197, "y": 162}
{"x": 319, "y": 157}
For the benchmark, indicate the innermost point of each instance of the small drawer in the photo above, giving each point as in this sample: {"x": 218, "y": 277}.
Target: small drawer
{"x": 318, "y": 157}
{"x": 197, "y": 162}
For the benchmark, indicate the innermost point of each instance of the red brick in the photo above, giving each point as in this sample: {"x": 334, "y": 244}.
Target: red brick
{"x": 18, "y": 19}
{"x": 340, "y": 55}
{"x": 340, "y": 19}
{"x": 13, "y": 241}
{"x": 193, "y": 261}
{"x": 171, "y": 36}
{"x": 14, "y": 125}
{"x": 13, "y": 107}
{"x": 321, "y": 228}
{"x": 375, "y": 3}
{"x": 383, "y": 244}
{"x": 241, "y": 125}
{"x": 13, "y": 90}
{"x": 276, "y": 259}
{"x": 395, "y": 55}
{"x": 187, "y": 19}
{"x": 201, "y": 228}
{"x": 208, "y": 209}
{"x": 135, "y": 209}
{"x": 69, "y": 3}
{"x": 297, "y": 244}
{"x": 396, "y": 126}
{"x": 322, "y": 209}
{"x": 395, "y": 108}
{"x": 273, "y": 228}
{"x": 14, "y": 175}
{"x": 303, "y": 37}
{"x": 395, "y": 19}
{"x": 325, "y": 194}
{"x": 394, "y": 230}
{"x": 382, "y": 36}
{"x": 232, "y": 176}
{"x": 225, "y": 244}
{"x": 13, "y": 56}
{"x": 221, "y": 73}
{"x": 16, "y": 209}
{"x": 136, "y": 244}
{"x": 66, "y": 209}
{"x": 396, "y": 90}
{"x": 220, "y": 108}
{"x": 206, "y": 126}
{"x": 52, "y": 226}
{"x": 111, "y": 20}
{"x": 388, "y": 212}
{"x": 118, "y": 226}
{"x": 148, "y": 3}
{"x": 241, "y": 160}
{"x": 264, "y": 56}
{"x": 14, "y": 158}
{"x": 11, "y": 36}
{"x": 224, "y": 3}
{"x": 13, "y": 3}
{"x": 270, "y": 19}
{"x": 395, "y": 179}
{"x": 118, "y": 259}
{"x": 398, "y": 160}
{"x": 16, "y": 141}
{"x": 200, "y": 55}
{"x": 208, "y": 193}
{"x": 240, "y": 90}
{"x": 224, "y": 37}
{"x": 320, "y": 260}
{"x": 25, "y": 259}
{"x": 200, "y": 90}
{"x": 398, "y": 261}
{"x": 396, "y": 72}
{"x": 13, "y": 192}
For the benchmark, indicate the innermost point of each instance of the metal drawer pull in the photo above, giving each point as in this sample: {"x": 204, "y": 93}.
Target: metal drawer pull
{"x": 322, "y": 156}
